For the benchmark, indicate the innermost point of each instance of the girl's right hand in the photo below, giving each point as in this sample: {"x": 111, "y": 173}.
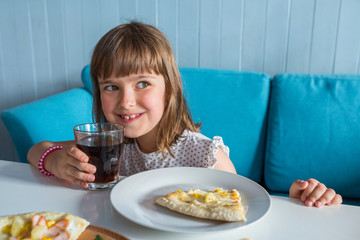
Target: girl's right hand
{"x": 71, "y": 164}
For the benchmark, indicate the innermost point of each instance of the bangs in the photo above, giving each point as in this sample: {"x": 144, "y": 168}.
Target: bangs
{"x": 129, "y": 52}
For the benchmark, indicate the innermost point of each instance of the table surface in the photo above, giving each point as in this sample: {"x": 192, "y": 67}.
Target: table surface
{"x": 24, "y": 189}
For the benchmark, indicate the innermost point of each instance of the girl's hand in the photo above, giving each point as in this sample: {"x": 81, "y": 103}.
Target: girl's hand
{"x": 314, "y": 193}
{"x": 71, "y": 164}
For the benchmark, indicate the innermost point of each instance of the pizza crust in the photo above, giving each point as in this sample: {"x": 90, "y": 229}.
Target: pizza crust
{"x": 220, "y": 208}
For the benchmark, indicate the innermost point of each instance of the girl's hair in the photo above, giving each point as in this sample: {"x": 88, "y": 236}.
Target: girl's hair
{"x": 139, "y": 48}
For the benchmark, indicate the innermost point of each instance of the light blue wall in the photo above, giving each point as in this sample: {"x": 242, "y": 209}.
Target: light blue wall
{"x": 45, "y": 43}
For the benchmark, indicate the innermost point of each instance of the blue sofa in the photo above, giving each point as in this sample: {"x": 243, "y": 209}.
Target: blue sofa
{"x": 291, "y": 126}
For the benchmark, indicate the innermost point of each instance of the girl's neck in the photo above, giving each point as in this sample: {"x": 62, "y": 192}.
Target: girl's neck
{"x": 147, "y": 142}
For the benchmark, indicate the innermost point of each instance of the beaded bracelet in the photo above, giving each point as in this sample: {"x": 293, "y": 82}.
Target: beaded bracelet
{"x": 42, "y": 159}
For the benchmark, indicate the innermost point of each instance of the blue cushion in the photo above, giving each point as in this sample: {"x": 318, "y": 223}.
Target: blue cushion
{"x": 314, "y": 131}
{"x": 51, "y": 118}
{"x": 233, "y": 105}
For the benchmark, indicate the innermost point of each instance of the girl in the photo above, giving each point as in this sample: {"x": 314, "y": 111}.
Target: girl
{"x": 137, "y": 84}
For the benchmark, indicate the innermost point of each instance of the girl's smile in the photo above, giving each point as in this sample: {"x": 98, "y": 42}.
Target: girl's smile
{"x": 129, "y": 117}
{"x": 136, "y": 101}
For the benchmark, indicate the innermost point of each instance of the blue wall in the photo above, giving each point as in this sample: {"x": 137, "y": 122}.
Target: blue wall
{"x": 45, "y": 43}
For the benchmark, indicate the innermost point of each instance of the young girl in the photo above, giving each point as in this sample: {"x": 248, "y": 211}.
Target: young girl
{"x": 137, "y": 84}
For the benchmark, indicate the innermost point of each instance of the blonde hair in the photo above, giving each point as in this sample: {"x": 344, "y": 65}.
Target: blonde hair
{"x": 140, "y": 48}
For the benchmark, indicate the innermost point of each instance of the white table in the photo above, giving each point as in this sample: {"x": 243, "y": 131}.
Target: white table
{"x": 24, "y": 189}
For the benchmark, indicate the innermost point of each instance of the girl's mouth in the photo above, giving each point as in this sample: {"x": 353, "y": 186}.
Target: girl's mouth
{"x": 129, "y": 117}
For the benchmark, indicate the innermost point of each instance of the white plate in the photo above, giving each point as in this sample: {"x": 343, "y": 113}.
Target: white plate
{"x": 134, "y": 197}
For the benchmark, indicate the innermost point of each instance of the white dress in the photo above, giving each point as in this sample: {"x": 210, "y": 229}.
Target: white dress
{"x": 191, "y": 150}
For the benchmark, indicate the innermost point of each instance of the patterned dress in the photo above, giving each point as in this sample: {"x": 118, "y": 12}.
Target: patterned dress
{"x": 191, "y": 150}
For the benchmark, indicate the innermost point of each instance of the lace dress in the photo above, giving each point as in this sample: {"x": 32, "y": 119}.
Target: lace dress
{"x": 191, "y": 150}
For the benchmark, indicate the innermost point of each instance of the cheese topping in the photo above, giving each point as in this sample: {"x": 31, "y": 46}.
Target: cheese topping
{"x": 216, "y": 204}
{"x": 209, "y": 199}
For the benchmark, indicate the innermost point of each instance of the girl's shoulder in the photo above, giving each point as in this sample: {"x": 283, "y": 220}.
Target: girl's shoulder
{"x": 191, "y": 139}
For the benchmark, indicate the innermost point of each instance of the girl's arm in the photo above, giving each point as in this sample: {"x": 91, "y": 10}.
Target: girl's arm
{"x": 223, "y": 162}
{"x": 314, "y": 193}
{"x": 70, "y": 164}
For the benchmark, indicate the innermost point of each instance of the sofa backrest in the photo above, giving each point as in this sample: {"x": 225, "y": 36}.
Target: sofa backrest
{"x": 313, "y": 131}
{"x": 230, "y": 104}
{"x": 233, "y": 105}
{"x": 51, "y": 118}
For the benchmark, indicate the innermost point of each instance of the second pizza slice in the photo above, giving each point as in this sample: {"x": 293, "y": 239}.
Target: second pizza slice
{"x": 217, "y": 204}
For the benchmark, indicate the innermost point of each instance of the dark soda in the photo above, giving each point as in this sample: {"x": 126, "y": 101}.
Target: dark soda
{"x": 106, "y": 157}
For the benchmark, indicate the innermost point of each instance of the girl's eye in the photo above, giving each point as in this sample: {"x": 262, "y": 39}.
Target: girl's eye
{"x": 142, "y": 84}
{"x": 111, "y": 88}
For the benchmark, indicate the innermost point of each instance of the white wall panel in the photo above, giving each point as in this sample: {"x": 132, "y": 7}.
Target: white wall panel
{"x": 74, "y": 41}
{"x": 44, "y": 44}
{"x": 91, "y": 21}
{"x": 348, "y": 38}
{"x": 231, "y": 33}
{"x": 253, "y": 35}
{"x": 4, "y": 22}
{"x": 20, "y": 53}
{"x": 109, "y": 15}
{"x": 127, "y": 10}
{"x": 147, "y": 11}
{"x": 324, "y": 36}
{"x": 38, "y": 25}
{"x": 300, "y": 36}
{"x": 210, "y": 33}
{"x": 57, "y": 44}
{"x": 189, "y": 28}
{"x": 168, "y": 22}
{"x": 276, "y": 36}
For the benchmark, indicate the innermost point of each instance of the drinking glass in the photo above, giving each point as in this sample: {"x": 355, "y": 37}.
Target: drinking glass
{"x": 102, "y": 143}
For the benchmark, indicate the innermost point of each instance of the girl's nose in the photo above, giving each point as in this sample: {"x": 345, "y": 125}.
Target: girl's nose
{"x": 127, "y": 99}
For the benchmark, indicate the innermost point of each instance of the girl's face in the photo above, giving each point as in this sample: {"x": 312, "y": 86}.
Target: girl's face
{"x": 136, "y": 101}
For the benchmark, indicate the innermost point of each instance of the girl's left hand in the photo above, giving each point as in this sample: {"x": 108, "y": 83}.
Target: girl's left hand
{"x": 314, "y": 193}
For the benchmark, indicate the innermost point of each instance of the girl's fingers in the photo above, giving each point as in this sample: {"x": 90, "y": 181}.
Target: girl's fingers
{"x": 75, "y": 173}
{"x": 78, "y": 177}
{"x": 81, "y": 183}
{"x": 327, "y": 197}
{"x": 337, "y": 200}
{"x": 80, "y": 171}
{"x": 317, "y": 193}
{"x": 312, "y": 184}
{"x": 297, "y": 188}
{"x": 79, "y": 160}
{"x": 75, "y": 167}
{"x": 77, "y": 154}
{"x": 78, "y": 182}
{"x": 85, "y": 167}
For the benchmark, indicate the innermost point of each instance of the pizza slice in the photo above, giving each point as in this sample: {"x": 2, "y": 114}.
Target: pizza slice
{"x": 217, "y": 204}
{"x": 42, "y": 225}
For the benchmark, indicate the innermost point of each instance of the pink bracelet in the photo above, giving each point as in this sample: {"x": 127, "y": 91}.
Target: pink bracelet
{"x": 42, "y": 159}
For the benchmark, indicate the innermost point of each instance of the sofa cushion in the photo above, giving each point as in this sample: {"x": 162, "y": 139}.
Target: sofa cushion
{"x": 51, "y": 118}
{"x": 233, "y": 105}
{"x": 314, "y": 131}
